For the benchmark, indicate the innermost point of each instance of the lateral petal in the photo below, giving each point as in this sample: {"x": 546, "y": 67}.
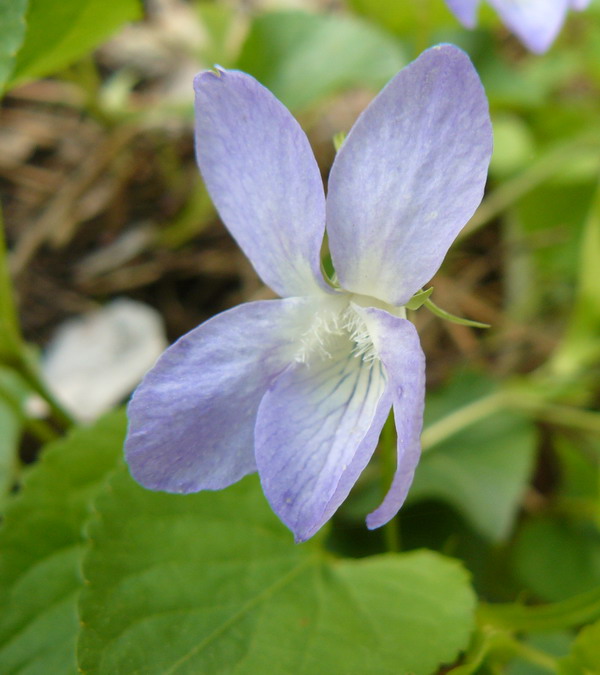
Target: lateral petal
{"x": 263, "y": 178}
{"x": 397, "y": 344}
{"x": 317, "y": 427}
{"x": 409, "y": 176}
{"x": 465, "y": 11}
{"x": 535, "y": 22}
{"x": 191, "y": 420}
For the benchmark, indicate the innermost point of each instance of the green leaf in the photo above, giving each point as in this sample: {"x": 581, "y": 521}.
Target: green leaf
{"x": 59, "y": 33}
{"x": 558, "y": 559}
{"x": 217, "y": 577}
{"x": 303, "y": 57}
{"x": 482, "y": 469}
{"x": 41, "y": 542}
{"x": 584, "y": 658}
{"x": 12, "y": 33}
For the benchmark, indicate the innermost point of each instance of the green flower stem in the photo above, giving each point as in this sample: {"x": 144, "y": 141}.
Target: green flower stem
{"x": 391, "y": 531}
{"x": 555, "y": 413}
{"x": 532, "y": 655}
{"x": 463, "y": 417}
{"x": 13, "y": 351}
{"x": 84, "y": 73}
{"x": 507, "y": 399}
{"x": 41, "y": 430}
{"x": 10, "y": 335}
{"x": 478, "y": 650}
{"x": 38, "y": 428}
{"x": 579, "y": 508}
{"x": 29, "y": 371}
{"x": 570, "y": 613}
{"x": 495, "y": 647}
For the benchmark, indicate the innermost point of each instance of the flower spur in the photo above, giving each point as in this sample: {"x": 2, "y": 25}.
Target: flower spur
{"x": 299, "y": 388}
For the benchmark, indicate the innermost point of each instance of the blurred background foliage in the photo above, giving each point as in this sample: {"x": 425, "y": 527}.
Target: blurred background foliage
{"x": 101, "y": 199}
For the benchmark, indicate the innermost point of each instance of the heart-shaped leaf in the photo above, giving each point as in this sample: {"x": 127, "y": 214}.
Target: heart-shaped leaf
{"x": 41, "y": 542}
{"x": 212, "y": 583}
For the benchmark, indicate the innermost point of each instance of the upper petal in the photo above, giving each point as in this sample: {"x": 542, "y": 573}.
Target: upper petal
{"x": 409, "y": 176}
{"x": 397, "y": 344}
{"x": 263, "y": 178}
{"x": 191, "y": 421}
{"x": 536, "y": 22}
{"x": 465, "y": 11}
{"x": 580, "y": 4}
{"x": 317, "y": 427}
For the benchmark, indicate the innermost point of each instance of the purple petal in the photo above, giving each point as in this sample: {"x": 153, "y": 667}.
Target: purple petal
{"x": 535, "y": 22}
{"x": 192, "y": 418}
{"x": 580, "y": 4}
{"x": 409, "y": 176}
{"x": 317, "y": 428}
{"x": 397, "y": 343}
{"x": 263, "y": 178}
{"x": 465, "y": 11}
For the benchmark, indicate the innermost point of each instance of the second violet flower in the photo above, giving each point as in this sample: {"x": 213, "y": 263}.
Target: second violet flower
{"x": 299, "y": 388}
{"x": 536, "y": 22}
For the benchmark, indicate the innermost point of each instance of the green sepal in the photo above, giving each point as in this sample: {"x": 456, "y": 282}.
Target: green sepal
{"x": 443, "y": 314}
{"x": 419, "y": 298}
{"x": 338, "y": 140}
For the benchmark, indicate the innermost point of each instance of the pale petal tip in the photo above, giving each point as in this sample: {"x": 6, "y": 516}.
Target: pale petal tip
{"x": 374, "y": 523}
{"x": 215, "y": 73}
{"x": 380, "y": 517}
{"x": 448, "y": 50}
{"x": 302, "y": 536}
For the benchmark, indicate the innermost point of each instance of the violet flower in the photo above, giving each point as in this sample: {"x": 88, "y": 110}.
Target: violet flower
{"x": 299, "y": 388}
{"x": 535, "y": 22}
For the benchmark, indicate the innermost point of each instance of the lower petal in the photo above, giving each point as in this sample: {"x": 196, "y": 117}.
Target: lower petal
{"x": 397, "y": 345}
{"x": 191, "y": 420}
{"x": 317, "y": 427}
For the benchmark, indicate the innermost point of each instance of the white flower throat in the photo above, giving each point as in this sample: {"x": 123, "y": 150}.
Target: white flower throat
{"x": 337, "y": 326}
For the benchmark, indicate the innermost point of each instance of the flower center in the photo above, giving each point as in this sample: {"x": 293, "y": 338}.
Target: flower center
{"x": 336, "y": 328}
